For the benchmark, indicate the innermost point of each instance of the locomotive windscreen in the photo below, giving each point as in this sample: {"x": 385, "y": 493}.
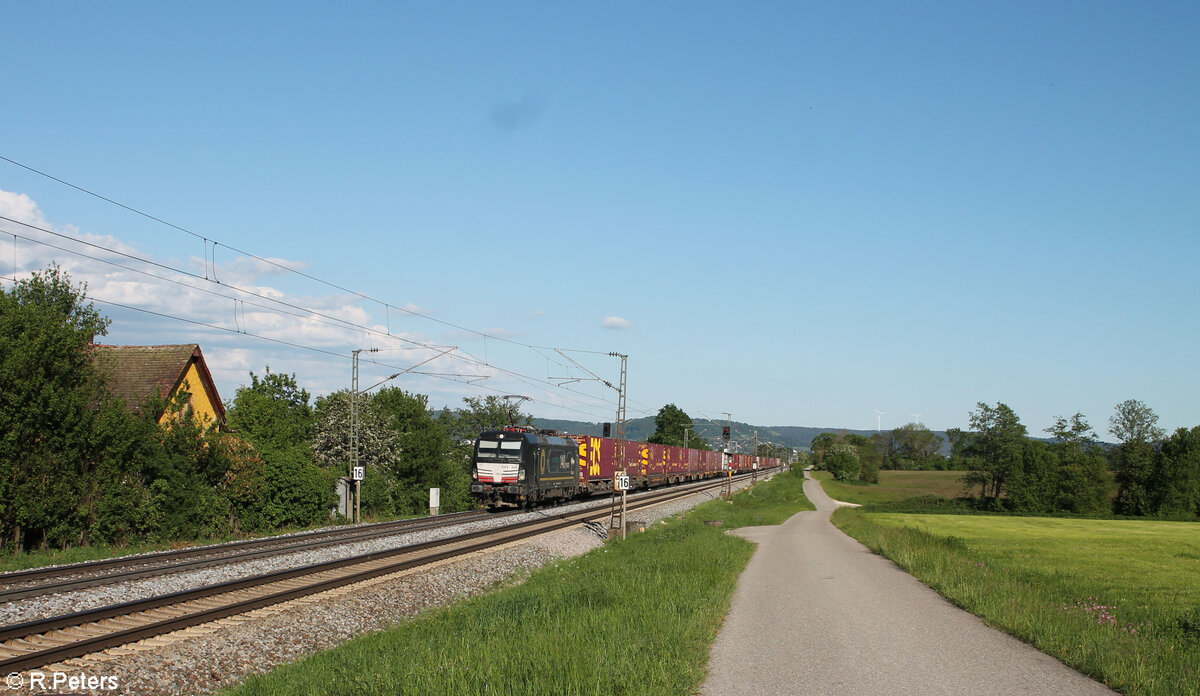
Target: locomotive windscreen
{"x": 499, "y": 450}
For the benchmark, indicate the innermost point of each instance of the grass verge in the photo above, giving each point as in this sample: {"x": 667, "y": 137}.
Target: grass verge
{"x": 633, "y": 617}
{"x": 1118, "y": 600}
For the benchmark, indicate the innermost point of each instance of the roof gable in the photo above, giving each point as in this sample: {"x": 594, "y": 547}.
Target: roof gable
{"x": 135, "y": 373}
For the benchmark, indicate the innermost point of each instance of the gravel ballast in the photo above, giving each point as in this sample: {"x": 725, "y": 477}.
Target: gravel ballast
{"x": 207, "y": 658}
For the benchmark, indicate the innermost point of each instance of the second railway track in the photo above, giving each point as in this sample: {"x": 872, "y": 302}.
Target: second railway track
{"x": 69, "y": 578}
{"x": 39, "y": 643}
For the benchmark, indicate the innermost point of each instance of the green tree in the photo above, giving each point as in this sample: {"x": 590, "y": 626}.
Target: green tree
{"x": 378, "y": 448}
{"x": 994, "y": 451}
{"x": 426, "y": 453}
{"x": 463, "y": 425}
{"x": 869, "y": 458}
{"x": 848, "y": 456}
{"x": 960, "y": 441}
{"x": 117, "y": 500}
{"x": 48, "y": 394}
{"x": 1134, "y": 421}
{"x": 674, "y": 427}
{"x": 273, "y": 414}
{"x": 841, "y": 460}
{"x": 244, "y": 485}
{"x": 186, "y": 475}
{"x": 1134, "y": 424}
{"x": 1177, "y": 475}
{"x": 1083, "y": 480}
{"x": 1034, "y": 485}
{"x": 820, "y": 447}
{"x": 912, "y": 446}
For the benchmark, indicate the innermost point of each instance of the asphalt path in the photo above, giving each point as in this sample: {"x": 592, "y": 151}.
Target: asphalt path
{"x": 816, "y": 612}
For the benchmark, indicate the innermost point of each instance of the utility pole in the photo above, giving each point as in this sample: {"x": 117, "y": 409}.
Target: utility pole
{"x": 621, "y": 479}
{"x": 620, "y": 471}
{"x": 621, "y": 396}
{"x": 355, "y": 471}
{"x": 727, "y": 493}
{"x": 754, "y": 476}
{"x": 621, "y": 410}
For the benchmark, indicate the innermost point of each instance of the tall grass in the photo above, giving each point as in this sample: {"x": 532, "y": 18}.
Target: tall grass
{"x": 1118, "y": 600}
{"x": 634, "y": 617}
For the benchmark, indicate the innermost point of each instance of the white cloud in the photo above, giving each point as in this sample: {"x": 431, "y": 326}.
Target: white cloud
{"x": 21, "y": 208}
{"x": 616, "y": 323}
{"x": 245, "y": 270}
{"x": 230, "y": 310}
{"x": 246, "y": 331}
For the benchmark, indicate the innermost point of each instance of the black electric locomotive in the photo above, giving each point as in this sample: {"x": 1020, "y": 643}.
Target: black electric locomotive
{"x": 519, "y": 467}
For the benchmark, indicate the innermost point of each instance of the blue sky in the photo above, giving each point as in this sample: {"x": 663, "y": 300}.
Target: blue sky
{"x": 796, "y": 213}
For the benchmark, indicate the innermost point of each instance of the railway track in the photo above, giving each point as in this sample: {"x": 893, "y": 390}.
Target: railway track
{"x": 39, "y": 643}
{"x": 67, "y": 578}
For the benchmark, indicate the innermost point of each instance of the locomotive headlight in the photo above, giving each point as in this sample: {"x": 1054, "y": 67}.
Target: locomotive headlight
{"x": 521, "y": 474}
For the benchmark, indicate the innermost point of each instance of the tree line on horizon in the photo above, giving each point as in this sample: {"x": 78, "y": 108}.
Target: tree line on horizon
{"x": 1147, "y": 473}
{"x": 78, "y": 467}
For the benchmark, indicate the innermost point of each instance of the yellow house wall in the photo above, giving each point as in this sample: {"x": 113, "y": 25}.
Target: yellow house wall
{"x": 201, "y": 400}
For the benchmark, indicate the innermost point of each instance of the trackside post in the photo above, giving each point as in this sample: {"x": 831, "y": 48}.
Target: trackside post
{"x": 616, "y": 518}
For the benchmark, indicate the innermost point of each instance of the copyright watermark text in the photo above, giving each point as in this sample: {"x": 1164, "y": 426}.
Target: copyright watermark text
{"x": 60, "y": 681}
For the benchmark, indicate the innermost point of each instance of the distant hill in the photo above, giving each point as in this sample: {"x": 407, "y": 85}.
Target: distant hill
{"x": 794, "y": 436}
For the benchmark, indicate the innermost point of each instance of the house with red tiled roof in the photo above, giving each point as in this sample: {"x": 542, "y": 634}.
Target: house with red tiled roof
{"x": 135, "y": 373}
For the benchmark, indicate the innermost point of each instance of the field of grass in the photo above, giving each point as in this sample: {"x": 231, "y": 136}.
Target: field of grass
{"x": 633, "y": 617}
{"x": 1116, "y": 599}
{"x": 893, "y": 486}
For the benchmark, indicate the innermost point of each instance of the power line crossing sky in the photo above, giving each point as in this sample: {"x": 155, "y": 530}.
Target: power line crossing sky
{"x": 797, "y": 214}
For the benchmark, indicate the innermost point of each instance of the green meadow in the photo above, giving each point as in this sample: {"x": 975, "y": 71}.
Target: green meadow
{"x": 894, "y": 486}
{"x": 636, "y": 616}
{"x": 1116, "y": 599}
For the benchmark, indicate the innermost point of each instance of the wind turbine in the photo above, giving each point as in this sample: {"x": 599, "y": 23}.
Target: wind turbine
{"x": 917, "y": 416}
{"x": 879, "y": 420}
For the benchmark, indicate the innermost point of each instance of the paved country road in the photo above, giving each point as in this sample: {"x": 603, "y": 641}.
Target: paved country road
{"x": 817, "y": 613}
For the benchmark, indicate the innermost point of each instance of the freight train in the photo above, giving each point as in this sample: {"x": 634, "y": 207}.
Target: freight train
{"x": 523, "y": 467}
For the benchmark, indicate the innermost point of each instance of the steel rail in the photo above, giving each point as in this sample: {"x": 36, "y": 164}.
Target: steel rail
{"x": 461, "y": 544}
{"x": 177, "y": 561}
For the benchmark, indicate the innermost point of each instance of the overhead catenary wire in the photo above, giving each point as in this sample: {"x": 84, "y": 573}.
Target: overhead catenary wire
{"x": 387, "y": 306}
{"x": 292, "y": 344}
{"x": 208, "y": 240}
{"x": 281, "y": 305}
{"x": 268, "y": 261}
